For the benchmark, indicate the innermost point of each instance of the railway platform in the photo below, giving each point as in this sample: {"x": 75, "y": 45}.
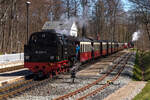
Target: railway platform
{"x": 11, "y": 64}
{"x": 13, "y": 76}
{"x": 95, "y": 69}
{"x": 11, "y": 72}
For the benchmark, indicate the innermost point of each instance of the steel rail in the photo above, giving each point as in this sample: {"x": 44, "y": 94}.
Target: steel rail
{"x": 89, "y": 85}
{"x": 5, "y": 93}
{"x": 107, "y": 84}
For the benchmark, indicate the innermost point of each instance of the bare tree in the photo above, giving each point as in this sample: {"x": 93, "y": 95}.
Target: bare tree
{"x": 143, "y": 9}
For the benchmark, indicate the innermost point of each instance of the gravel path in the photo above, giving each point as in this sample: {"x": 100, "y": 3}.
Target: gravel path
{"x": 63, "y": 84}
{"x": 127, "y": 92}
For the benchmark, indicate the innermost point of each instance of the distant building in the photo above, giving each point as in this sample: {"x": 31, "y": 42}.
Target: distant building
{"x": 68, "y": 28}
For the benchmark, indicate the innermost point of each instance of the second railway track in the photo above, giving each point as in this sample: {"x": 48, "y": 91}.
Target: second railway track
{"x": 83, "y": 92}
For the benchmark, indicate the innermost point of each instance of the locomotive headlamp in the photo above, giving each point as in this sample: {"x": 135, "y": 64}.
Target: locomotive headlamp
{"x": 27, "y": 57}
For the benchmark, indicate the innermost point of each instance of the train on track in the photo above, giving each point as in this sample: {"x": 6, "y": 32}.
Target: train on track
{"x": 48, "y": 53}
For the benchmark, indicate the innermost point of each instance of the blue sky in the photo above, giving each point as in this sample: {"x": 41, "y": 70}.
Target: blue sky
{"x": 127, "y": 5}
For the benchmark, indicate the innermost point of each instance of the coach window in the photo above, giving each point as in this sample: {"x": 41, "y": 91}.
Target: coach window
{"x": 83, "y": 47}
{"x": 105, "y": 46}
{"x": 90, "y": 48}
{"x": 86, "y": 47}
{"x": 96, "y": 47}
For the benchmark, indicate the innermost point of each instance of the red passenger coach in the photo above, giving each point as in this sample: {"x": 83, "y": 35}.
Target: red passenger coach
{"x": 121, "y": 46}
{"x": 125, "y": 45}
{"x": 85, "y": 51}
{"x": 109, "y": 47}
{"x": 96, "y": 46}
{"x": 113, "y": 47}
{"x": 104, "y": 50}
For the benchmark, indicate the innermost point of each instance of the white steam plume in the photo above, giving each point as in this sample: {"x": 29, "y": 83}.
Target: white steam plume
{"x": 136, "y": 35}
{"x": 79, "y": 20}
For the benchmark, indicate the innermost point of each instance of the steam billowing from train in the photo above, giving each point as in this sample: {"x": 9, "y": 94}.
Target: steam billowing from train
{"x": 67, "y": 26}
{"x": 62, "y": 27}
{"x": 136, "y": 35}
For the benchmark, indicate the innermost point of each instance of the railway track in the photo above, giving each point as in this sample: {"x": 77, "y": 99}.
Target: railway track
{"x": 17, "y": 88}
{"x": 20, "y": 87}
{"x": 82, "y": 93}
